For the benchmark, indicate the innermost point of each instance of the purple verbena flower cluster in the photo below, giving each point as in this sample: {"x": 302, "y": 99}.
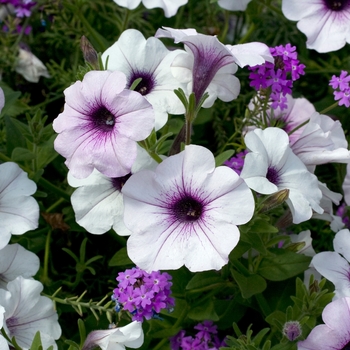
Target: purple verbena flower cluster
{"x": 342, "y": 88}
{"x": 279, "y": 77}
{"x": 22, "y": 8}
{"x": 236, "y": 162}
{"x": 342, "y": 211}
{"x": 143, "y": 294}
{"x": 205, "y": 339}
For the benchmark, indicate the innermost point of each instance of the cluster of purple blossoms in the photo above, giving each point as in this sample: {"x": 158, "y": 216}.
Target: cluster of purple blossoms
{"x": 143, "y": 294}
{"x": 22, "y": 8}
{"x": 205, "y": 339}
{"x": 236, "y": 162}
{"x": 342, "y": 211}
{"x": 342, "y": 88}
{"x": 279, "y": 77}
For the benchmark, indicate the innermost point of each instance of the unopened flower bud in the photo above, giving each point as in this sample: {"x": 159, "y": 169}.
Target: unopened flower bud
{"x": 292, "y": 330}
{"x": 274, "y": 200}
{"x": 89, "y": 53}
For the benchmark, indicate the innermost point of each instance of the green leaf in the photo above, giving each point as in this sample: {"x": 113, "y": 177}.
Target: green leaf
{"x": 36, "y": 344}
{"x": 120, "y": 258}
{"x": 20, "y": 154}
{"x": 205, "y": 311}
{"x": 283, "y": 264}
{"x": 249, "y": 285}
{"x": 204, "y": 279}
{"x": 14, "y": 137}
{"x": 221, "y": 158}
{"x": 46, "y": 153}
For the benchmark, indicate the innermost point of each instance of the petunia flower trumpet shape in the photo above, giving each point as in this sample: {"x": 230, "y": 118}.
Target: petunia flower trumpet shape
{"x": 170, "y": 7}
{"x": 16, "y": 261}
{"x": 234, "y": 5}
{"x": 101, "y": 124}
{"x": 27, "y": 312}
{"x": 324, "y": 22}
{"x": 335, "y": 265}
{"x": 19, "y": 211}
{"x": 184, "y": 210}
{"x": 271, "y": 166}
{"x": 30, "y": 67}
{"x": 334, "y": 333}
{"x": 151, "y": 61}
{"x": 118, "y": 338}
{"x": 98, "y": 201}
{"x": 209, "y": 66}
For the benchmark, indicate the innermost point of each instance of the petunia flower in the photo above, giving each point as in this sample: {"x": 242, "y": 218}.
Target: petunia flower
{"x": 19, "y": 212}
{"x": 27, "y": 312}
{"x": 98, "y": 201}
{"x": 16, "y": 261}
{"x": 30, "y": 67}
{"x": 334, "y": 334}
{"x": 118, "y": 338}
{"x": 170, "y": 7}
{"x": 324, "y": 22}
{"x": 3, "y": 342}
{"x": 184, "y": 210}
{"x": 271, "y": 166}
{"x": 335, "y": 265}
{"x": 321, "y": 141}
{"x": 234, "y": 5}
{"x": 2, "y": 99}
{"x": 209, "y": 66}
{"x": 150, "y": 60}
{"x": 100, "y": 125}
{"x": 346, "y": 185}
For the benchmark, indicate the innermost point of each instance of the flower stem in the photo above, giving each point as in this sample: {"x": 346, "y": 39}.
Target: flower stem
{"x": 329, "y": 108}
{"x": 45, "y": 276}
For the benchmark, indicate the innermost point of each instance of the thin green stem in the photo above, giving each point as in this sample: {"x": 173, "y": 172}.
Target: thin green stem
{"x": 329, "y": 108}
{"x": 126, "y": 20}
{"x": 45, "y": 276}
{"x": 188, "y": 124}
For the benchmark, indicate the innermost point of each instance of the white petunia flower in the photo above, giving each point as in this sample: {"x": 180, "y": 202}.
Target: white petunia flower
{"x": 2, "y": 99}
{"x": 321, "y": 141}
{"x": 184, "y": 210}
{"x": 30, "y": 66}
{"x": 16, "y": 261}
{"x": 335, "y": 265}
{"x": 98, "y": 201}
{"x": 19, "y": 212}
{"x": 118, "y": 338}
{"x": 324, "y": 22}
{"x": 150, "y": 60}
{"x": 234, "y": 5}
{"x": 170, "y": 7}
{"x": 209, "y": 66}
{"x": 3, "y": 342}
{"x": 271, "y": 166}
{"x": 27, "y": 312}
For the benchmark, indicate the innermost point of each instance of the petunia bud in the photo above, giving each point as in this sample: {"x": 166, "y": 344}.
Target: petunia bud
{"x": 89, "y": 53}
{"x": 292, "y": 330}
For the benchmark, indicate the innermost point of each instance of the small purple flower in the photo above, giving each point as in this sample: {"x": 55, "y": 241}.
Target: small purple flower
{"x": 278, "y": 77}
{"x": 143, "y": 294}
{"x": 206, "y": 330}
{"x": 341, "y": 88}
{"x": 236, "y": 163}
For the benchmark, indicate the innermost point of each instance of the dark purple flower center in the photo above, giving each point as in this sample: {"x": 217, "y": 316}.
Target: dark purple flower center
{"x": 146, "y": 85}
{"x": 337, "y": 5}
{"x": 346, "y": 347}
{"x": 272, "y": 176}
{"x": 119, "y": 182}
{"x": 187, "y": 209}
{"x": 103, "y": 118}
